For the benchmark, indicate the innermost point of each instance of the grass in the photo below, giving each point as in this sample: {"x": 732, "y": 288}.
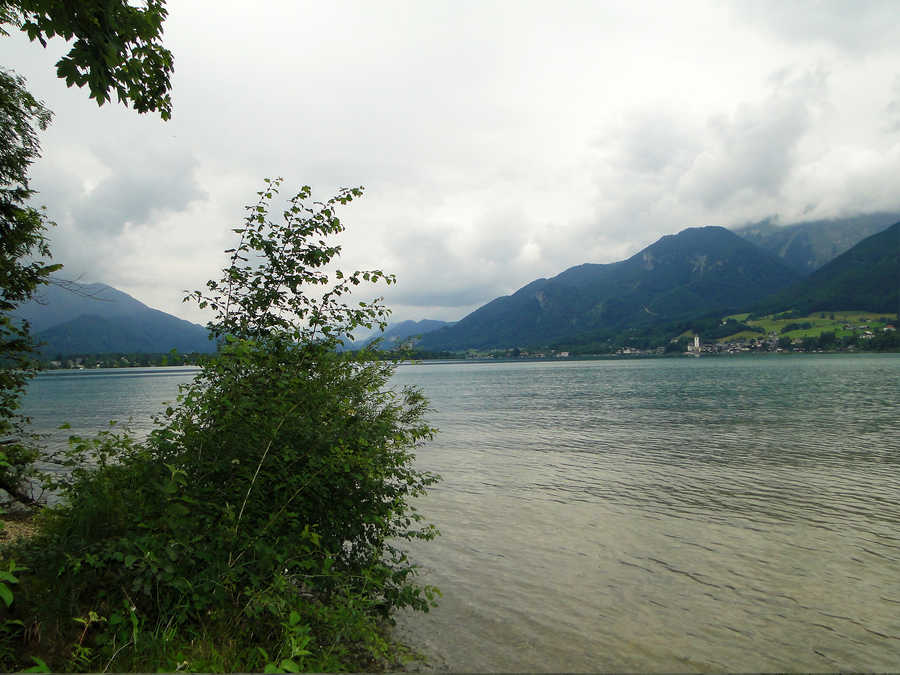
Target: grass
{"x": 743, "y": 335}
{"x": 820, "y": 322}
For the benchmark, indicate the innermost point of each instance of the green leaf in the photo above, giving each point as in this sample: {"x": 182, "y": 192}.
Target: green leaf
{"x": 8, "y": 577}
{"x": 6, "y": 595}
{"x": 41, "y": 667}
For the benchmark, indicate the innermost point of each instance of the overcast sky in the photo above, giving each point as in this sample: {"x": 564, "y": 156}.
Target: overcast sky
{"x": 498, "y": 142}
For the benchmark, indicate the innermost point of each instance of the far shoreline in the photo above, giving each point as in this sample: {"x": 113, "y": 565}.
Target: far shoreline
{"x": 184, "y": 369}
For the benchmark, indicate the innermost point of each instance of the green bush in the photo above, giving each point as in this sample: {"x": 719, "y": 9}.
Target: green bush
{"x": 259, "y": 525}
{"x": 804, "y": 325}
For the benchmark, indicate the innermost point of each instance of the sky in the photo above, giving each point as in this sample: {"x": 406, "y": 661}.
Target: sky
{"x": 498, "y": 142}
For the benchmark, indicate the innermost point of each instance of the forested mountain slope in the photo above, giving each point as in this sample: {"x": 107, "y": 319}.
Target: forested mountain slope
{"x": 696, "y": 272}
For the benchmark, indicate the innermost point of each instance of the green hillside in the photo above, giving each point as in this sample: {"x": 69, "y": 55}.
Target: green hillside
{"x": 790, "y": 325}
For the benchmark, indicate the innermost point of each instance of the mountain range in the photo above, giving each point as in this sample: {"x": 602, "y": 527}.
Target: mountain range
{"x": 697, "y": 275}
{"x": 397, "y": 334}
{"x": 72, "y": 318}
{"x": 699, "y": 271}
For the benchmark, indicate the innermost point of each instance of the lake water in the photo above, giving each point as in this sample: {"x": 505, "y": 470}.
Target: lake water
{"x": 734, "y": 514}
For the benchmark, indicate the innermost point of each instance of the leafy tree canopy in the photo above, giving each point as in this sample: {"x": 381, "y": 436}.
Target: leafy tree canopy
{"x": 117, "y": 46}
{"x": 23, "y": 244}
{"x": 21, "y": 226}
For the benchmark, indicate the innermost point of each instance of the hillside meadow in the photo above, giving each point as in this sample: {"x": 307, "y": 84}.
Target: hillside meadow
{"x": 787, "y": 324}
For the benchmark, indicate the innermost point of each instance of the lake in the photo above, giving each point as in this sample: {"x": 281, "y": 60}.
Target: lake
{"x": 732, "y": 513}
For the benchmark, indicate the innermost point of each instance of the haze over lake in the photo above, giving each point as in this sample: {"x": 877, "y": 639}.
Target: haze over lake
{"x": 667, "y": 514}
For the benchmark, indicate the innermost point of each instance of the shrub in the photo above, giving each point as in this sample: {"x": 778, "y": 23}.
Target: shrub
{"x": 805, "y": 325}
{"x": 259, "y": 525}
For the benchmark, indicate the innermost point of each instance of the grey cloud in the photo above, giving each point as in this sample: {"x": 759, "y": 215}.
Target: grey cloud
{"x": 664, "y": 171}
{"x": 460, "y": 296}
{"x": 655, "y": 141}
{"x": 436, "y": 273}
{"x": 892, "y": 110}
{"x": 750, "y": 153}
{"x": 139, "y": 188}
{"x": 859, "y": 26}
{"x": 450, "y": 266}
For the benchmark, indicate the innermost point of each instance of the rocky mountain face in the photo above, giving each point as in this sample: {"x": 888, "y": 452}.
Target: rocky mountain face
{"x": 867, "y": 277}
{"x": 806, "y": 247}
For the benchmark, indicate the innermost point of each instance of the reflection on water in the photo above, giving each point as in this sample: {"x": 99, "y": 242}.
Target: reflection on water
{"x": 660, "y": 515}
{"x": 718, "y": 514}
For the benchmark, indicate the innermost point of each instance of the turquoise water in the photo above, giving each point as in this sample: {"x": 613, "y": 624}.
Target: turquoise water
{"x": 656, "y": 515}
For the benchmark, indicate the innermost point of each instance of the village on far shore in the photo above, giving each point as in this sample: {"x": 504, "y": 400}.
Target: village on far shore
{"x": 845, "y": 331}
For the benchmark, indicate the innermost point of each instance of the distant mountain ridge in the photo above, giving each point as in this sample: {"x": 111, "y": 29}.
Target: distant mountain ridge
{"x": 866, "y": 277}
{"x": 696, "y": 272}
{"x": 398, "y": 333}
{"x": 97, "y": 318}
{"x": 808, "y": 246}
{"x": 56, "y": 304}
